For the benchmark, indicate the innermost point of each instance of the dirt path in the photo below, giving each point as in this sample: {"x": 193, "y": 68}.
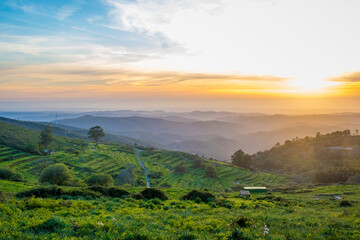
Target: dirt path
{"x": 138, "y": 151}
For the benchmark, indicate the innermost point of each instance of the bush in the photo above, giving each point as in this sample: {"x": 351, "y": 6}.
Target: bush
{"x": 242, "y": 222}
{"x": 150, "y": 193}
{"x": 57, "y": 174}
{"x": 180, "y": 169}
{"x": 198, "y": 163}
{"x": 345, "y": 203}
{"x": 187, "y": 236}
{"x": 210, "y": 171}
{"x": 155, "y": 175}
{"x": 138, "y": 196}
{"x": 196, "y": 195}
{"x": 3, "y": 197}
{"x": 110, "y": 192}
{"x": 54, "y": 224}
{"x": 57, "y": 192}
{"x": 9, "y": 174}
{"x": 99, "y": 179}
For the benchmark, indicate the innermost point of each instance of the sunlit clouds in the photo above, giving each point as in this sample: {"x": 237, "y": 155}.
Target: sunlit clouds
{"x": 151, "y": 50}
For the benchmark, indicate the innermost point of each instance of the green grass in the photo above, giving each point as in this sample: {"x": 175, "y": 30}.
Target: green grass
{"x": 289, "y": 215}
{"x": 14, "y": 187}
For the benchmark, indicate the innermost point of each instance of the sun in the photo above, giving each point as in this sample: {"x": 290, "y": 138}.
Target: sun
{"x": 311, "y": 85}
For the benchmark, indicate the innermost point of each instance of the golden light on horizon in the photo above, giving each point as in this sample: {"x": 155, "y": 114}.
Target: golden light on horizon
{"x": 310, "y": 85}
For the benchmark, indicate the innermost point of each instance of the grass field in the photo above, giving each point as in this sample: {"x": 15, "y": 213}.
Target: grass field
{"x": 295, "y": 214}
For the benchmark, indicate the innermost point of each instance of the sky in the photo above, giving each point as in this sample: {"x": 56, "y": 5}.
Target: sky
{"x": 235, "y": 55}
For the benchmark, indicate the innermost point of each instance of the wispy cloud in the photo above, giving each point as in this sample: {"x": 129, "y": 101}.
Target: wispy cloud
{"x": 353, "y": 77}
{"x": 75, "y": 74}
{"x": 28, "y": 8}
{"x": 65, "y": 12}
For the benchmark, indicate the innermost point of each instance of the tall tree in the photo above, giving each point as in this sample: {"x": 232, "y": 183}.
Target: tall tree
{"x": 241, "y": 159}
{"x": 96, "y": 133}
{"x": 46, "y": 137}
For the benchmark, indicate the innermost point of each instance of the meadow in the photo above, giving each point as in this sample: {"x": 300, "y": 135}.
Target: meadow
{"x": 289, "y": 214}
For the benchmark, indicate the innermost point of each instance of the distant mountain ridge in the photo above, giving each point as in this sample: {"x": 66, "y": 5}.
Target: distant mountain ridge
{"x": 208, "y": 133}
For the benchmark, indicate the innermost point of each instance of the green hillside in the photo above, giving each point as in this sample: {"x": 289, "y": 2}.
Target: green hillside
{"x": 73, "y": 132}
{"x": 113, "y": 159}
{"x": 327, "y": 158}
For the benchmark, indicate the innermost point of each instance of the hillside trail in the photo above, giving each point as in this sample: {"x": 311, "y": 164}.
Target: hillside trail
{"x": 138, "y": 151}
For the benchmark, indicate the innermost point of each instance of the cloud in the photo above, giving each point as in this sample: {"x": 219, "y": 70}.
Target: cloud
{"x": 348, "y": 77}
{"x": 65, "y": 12}
{"x": 262, "y": 37}
{"x": 66, "y": 75}
{"x": 28, "y": 8}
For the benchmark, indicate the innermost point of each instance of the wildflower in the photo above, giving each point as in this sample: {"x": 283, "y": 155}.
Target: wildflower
{"x": 100, "y": 223}
{"x": 266, "y": 230}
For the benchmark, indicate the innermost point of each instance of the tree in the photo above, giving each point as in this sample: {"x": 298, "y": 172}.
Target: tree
{"x": 210, "y": 171}
{"x": 241, "y": 159}
{"x": 104, "y": 180}
{"x": 96, "y": 133}
{"x": 46, "y": 137}
{"x": 57, "y": 174}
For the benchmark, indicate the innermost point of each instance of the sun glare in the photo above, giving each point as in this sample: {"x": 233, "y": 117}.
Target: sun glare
{"x": 311, "y": 85}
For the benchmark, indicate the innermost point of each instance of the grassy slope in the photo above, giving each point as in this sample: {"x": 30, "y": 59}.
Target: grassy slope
{"x": 111, "y": 159}
{"x": 166, "y": 161}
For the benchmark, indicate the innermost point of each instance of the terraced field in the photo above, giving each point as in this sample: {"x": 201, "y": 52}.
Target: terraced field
{"x": 101, "y": 159}
{"x": 164, "y": 162}
{"x": 113, "y": 159}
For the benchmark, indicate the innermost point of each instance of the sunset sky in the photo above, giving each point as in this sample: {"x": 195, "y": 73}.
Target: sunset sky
{"x": 234, "y": 55}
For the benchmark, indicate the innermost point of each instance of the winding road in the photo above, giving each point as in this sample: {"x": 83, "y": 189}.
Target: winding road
{"x": 138, "y": 151}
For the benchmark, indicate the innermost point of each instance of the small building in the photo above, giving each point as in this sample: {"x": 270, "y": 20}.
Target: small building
{"x": 255, "y": 189}
{"x": 244, "y": 193}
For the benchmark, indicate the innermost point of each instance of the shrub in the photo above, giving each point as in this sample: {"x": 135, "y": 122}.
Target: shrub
{"x": 155, "y": 175}
{"x": 198, "y": 163}
{"x": 31, "y": 148}
{"x": 242, "y": 222}
{"x": 237, "y": 235}
{"x": 180, "y": 169}
{"x": 99, "y": 179}
{"x": 57, "y": 174}
{"x": 54, "y": 224}
{"x": 187, "y": 236}
{"x": 150, "y": 193}
{"x": 111, "y": 192}
{"x": 57, "y": 192}
{"x": 9, "y": 174}
{"x": 196, "y": 195}
{"x": 210, "y": 171}
{"x": 345, "y": 203}
{"x": 3, "y": 197}
{"x": 138, "y": 196}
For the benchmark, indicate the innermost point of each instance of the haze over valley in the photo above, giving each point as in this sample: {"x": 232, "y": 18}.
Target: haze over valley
{"x": 212, "y": 134}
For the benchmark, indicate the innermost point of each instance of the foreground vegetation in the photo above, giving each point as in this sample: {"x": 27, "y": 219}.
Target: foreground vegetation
{"x": 289, "y": 214}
